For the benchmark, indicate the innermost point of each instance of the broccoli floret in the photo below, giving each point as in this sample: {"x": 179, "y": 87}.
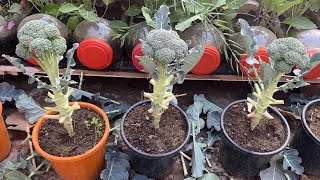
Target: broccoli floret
{"x": 164, "y": 45}
{"x": 39, "y": 38}
{"x": 286, "y": 53}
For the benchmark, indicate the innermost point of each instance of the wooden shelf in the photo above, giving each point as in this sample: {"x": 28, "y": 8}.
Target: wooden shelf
{"x": 136, "y": 75}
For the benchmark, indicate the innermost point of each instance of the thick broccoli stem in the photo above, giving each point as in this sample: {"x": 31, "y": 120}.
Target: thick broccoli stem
{"x": 50, "y": 64}
{"x": 160, "y": 98}
{"x": 264, "y": 98}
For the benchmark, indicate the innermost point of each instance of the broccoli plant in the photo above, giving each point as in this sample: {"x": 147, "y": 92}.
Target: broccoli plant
{"x": 42, "y": 41}
{"x": 167, "y": 59}
{"x": 284, "y": 53}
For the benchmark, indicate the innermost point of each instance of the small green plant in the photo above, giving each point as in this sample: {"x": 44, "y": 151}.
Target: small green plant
{"x": 284, "y": 53}
{"x": 97, "y": 125}
{"x": 167, "y": 59}
{"x": 42, "y": 41}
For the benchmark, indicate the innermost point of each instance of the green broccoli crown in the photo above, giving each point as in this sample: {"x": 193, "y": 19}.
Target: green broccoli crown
{"x": 286, "y": 53}
{"x": 37, "y": 38}
{"x": 164, "y": 45}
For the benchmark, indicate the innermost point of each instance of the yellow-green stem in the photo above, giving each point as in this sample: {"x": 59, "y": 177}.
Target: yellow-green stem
{"x": 265, "y": 99}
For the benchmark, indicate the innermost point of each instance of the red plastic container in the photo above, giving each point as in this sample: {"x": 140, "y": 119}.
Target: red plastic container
{"x": 315, "y": 72}
{"x": 244, "y": 66}
{"x": 95, "y": 53}
{"x": 33, "y": 61}
{"x": 209, "y": 61}
{"x": 137, "y": 51}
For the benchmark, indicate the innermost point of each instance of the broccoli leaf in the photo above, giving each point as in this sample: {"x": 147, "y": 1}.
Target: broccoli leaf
{"x": 292, "y": 160}
{"x": 114, "y": 110}
{"x": 193, "y": 57}
{"x": 117, "y": 166}
{"x": 162, "y": 18}
{"x": 133, "y": 10}
{"x": 116, "y": 132}
{"x": 297, "y": 109}
{"x": 212, "y": 138}
{"x": 198, "y": 158}
{"x": 8, "y": 92}
{"x": 273, "y": 172}
{"x": 148, "y": 65}
{"x": 208, "y": 176}
{"x": 301, "y": 98}
{"x": 140, "y": 177}
{"x": 16, "y": 175}
{"x": 29, "y": 108}
{"x": 266, "y": 73}
{"x": 250, "y": 42}
{"x": 193, "y": 113}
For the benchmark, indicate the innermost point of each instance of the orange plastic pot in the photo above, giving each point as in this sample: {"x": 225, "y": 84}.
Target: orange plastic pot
{"x": 244, "y": 66}
{"x": 315, "y": 72}
{"x": 5, "y": 143}
{"x": 87, "y": 166}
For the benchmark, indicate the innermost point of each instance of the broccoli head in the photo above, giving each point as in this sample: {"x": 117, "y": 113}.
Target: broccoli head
{"x": 40, "y": 39}
{"x": 164, "y": 46}
{"x": 286, "y": 53}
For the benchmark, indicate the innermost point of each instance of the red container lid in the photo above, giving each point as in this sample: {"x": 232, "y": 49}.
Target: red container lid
{"x": 209, "y": 61}
{"x": 33, "y": 61}
{"x": 95, "y": 53}
{"x": 315, "y": 72}
{"x": 244, "y": 66}
{"x": 137, "y": 51}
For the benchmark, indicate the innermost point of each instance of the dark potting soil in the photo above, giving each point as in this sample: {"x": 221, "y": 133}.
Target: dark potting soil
{"x": 54, "y": 139}
{"x": 313, "y": 119}
{"x": 140, "y": 131}
{"x": 268, "y": 136}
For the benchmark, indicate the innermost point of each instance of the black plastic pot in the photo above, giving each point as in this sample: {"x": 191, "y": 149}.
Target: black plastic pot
{"x": 308, "y": 144}
{"x": 241, "y": 162}
{"x": 155, "y": 166}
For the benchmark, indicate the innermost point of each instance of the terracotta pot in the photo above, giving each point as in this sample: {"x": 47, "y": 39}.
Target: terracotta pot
{"x": 5, "y": 143}
{"x": 87, "y": 166}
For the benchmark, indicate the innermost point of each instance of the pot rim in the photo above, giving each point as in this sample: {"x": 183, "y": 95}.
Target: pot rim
{"x": 149, "y": 155}
{"x": 304, "y": 120}
{"x": 35, "y": 135}
{"x": 285, "y": 123}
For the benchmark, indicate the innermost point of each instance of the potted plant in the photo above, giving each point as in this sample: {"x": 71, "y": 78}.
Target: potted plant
{"x": 253, "y": 131}
{"x": 63, "y": 135}
{"x": 153, "y": 130}
{"x": 5, "y": 140}
{"x": 307, "y": 138}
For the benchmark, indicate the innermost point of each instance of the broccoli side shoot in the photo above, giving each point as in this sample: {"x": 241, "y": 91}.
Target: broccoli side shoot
{"x": 167, "y": 59}
{"x": 43, "y": 42}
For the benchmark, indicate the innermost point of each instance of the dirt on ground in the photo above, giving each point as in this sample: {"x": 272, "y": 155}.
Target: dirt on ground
{"x": 54, "y": 138}
{"x": 269, "y": 135}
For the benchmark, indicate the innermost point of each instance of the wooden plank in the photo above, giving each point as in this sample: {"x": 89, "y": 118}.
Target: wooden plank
{"x": 136, "y": 75}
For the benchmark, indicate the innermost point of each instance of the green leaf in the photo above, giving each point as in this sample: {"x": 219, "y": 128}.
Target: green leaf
{"x": 133, "y": 10}
{"x": 68, "y": 8}
{"x": 300, "y": 22}
{"x": 51, "y": 9}
{"x": 148, "y": 64}
{"x": 218, "y": 3}
{"x": 88, "y": 15}
{"x": 235, "y": 4}
{"x": 193, "y": 114}
{"x": 193, "y": 57}
{"x": 16, "y": 175}
{"x": 162, "y": 18}
{"x": 72, "y": 23}
{"x": 183, "y": 25}
{"x": 266, "y": 72}
{"x": 29, "y": 108}
{"x": 118, "y": 24}
{"x": 147, "y": 15}
{"x": 315, "y": 6}
{"x": 117, "y": 166}
{"x": 292, "y": 160}
{"x": 15, "y": 8}
{"x": 114, "y": 110}
{"x": 282, "y": 8}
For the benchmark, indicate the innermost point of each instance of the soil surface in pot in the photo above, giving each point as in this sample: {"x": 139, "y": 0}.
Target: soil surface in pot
{"x": 269, "y": 135}
{"x": 313, "y": 119}
{"x": 54, "y": 139}
{"x": 140, "y": 131}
